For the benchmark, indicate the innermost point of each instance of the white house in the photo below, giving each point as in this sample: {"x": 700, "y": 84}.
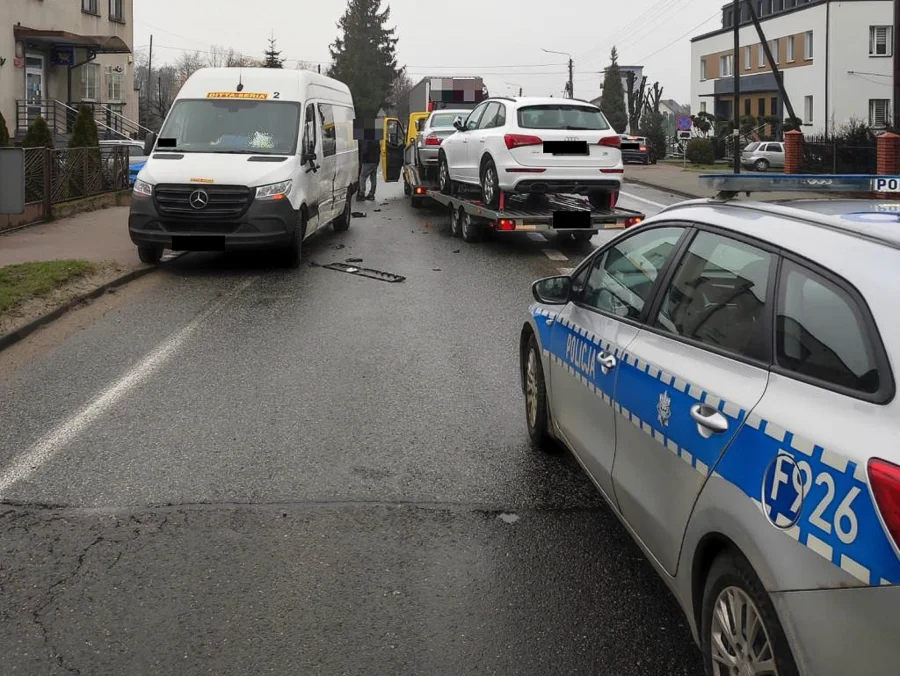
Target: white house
{"x": 835, "y": 58}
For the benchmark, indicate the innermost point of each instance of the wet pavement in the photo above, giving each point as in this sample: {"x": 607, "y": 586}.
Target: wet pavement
{"x": 245, "y": 469}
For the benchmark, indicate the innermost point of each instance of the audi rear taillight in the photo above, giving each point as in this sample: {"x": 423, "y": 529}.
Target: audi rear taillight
{"x": 432, "y": 140}
{"x": 519, "y": 140}
{"x": 611, "y": 141}
{"x": 884, "y": 477}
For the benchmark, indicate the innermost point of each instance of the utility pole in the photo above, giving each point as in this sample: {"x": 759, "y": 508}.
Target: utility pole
{"x": 149, "y": 80}
{"x": 572, "y": 84}
{"x": 736, "y": 78}
{"x": 896, "y": 31}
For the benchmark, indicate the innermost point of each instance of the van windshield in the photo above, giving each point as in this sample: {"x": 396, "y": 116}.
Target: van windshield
{"x": 232, "y": 126}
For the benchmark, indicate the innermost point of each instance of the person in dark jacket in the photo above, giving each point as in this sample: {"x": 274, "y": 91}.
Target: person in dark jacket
{"x": 369, "y": 155}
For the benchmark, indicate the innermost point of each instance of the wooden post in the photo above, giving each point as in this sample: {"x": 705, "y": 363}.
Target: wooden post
{"x": 793, "y": 151}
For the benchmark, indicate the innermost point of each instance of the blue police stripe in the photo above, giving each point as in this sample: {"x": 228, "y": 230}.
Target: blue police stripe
{"x": 869, "y": 556}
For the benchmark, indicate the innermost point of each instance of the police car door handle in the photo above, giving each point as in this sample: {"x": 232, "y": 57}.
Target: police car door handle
{"x": 606, "y": 361}
{"x": 709, "y": 420}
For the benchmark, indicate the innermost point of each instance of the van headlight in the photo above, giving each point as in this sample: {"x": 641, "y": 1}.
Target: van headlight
{"x": 273, "y": 191}
{"x": 142, "y": 189}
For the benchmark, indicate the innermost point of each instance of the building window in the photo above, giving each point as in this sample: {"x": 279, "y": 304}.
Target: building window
{"x": 790, "y": 48}
{"x": 115, "y": 83}
{"x": 748, "y": 63}
{"x": 808, "y": 45}
{"x": 774, "y": 47}
{"x": 703, "y": 106}
{"x": 880, "y": 40}
{"x": 89, "y": 6}
{"x": 807, "y": 109}
{"x": 778, "y": 5}
{"x": 725, "y": 65}
{"x": 116, "y": 12}
{"x": 702, "y": 69}
{"x": 762, "y": 55}
{"x": 879, "y": 113}
{"x": 773, "y": 110}
{"x": 90, "y": 82}
{"x": 761, "y": 107}
{"x": 747, "y": 109}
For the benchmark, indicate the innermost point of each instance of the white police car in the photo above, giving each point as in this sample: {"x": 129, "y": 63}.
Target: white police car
{"x": 725, "y": 374}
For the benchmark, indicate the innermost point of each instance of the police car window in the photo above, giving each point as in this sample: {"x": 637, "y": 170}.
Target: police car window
{"x": 718, "y": 296}
{"x": 622, "y": 278}
{"x": 820, "y": 332}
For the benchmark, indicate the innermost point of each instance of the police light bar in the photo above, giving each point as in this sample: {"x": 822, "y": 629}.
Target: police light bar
{"x": 857, "y": 183}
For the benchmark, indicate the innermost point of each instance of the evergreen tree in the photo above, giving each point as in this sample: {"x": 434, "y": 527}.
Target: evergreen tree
{"x": 84, "y": 164}
{"x": 38, "y": 135}
{"x": 84, "y": 133}
{"x": 4, "y": 133}
{"x": 273, "y": 57}
{"x": 364, "y": 56}
{"x": 612, "y": 101}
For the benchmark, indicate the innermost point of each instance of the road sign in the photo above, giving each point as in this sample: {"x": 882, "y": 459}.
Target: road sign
{"x": 684, "y": 136}
{"x": 684, "y": 123}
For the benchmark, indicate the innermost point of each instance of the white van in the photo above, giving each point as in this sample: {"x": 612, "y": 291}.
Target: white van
{"x": 247, "y": 158}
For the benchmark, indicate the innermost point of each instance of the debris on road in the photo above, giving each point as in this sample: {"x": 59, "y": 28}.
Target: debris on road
{"x": 456, "y": 251}
{"x": 353, "y": 260}
{"x": 358, "y": 214}
{"x": 365, "y": 272}
{"x": 338, "y": 247}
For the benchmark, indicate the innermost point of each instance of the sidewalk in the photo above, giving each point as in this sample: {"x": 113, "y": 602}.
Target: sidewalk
{"x": 99, "y": 237}
{"x": 686, "y": 182}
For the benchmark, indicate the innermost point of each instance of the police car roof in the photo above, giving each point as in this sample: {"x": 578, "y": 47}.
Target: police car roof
{"x": 873, "y": 220}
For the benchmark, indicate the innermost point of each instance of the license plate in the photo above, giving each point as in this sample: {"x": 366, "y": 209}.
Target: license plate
{"x": 198, "y": 243}
{"x": 565, "y": 147}
{"x": 571, "y": 219}
{"x": 886, "y": 184}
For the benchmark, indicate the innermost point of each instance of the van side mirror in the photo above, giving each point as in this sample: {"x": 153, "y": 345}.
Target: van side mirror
{"x": 552, "y": 290}
{"x": 458, "y": 123}
{"x": 308, "y": 157}
{"x": 149, "y": 142}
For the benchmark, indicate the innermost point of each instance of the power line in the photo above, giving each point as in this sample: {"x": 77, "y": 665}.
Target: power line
{"x": 680, "y": 37}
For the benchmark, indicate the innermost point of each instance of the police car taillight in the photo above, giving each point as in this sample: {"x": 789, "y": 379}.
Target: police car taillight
{"x": 884, "y": 478}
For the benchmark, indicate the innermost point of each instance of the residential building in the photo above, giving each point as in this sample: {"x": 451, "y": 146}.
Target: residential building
{"x": 57, "y": 54}
{"x": 835, "y": 58}
{"x": 671, "y": 111}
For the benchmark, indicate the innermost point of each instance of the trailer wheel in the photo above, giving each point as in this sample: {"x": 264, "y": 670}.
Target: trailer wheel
{"x": 471, "y": 231}
{"x": 407, "y": 188}
{"x": 456, "y": 216}
{"x": 582, "y": 237}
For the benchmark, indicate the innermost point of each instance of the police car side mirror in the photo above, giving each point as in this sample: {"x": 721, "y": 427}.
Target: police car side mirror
{"x": 552, "y": 290}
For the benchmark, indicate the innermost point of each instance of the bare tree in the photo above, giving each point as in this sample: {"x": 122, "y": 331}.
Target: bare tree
{"x": 400, "y": 89}
{"x": 307, "y": 65}
{"x": 227, "y": 57}
{"x": 637, "y": 98}
{"x": 186, "y": 65}
{"x": 166, "y": 84}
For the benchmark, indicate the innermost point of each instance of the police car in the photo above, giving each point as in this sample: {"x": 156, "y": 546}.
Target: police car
{"x": 724, "y": 374}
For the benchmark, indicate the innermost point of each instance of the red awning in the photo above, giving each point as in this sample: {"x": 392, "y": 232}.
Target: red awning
{"x": 99, "y": 44}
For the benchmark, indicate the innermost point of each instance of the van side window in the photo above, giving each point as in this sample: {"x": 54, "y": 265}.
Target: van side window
{"x": 343, "y": 124}
{"x": 309, "y": 129}
{"x": 329, "y": 133}
{"x": 821, "y": 332}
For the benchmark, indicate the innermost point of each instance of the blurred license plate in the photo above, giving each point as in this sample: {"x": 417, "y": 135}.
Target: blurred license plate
{"x": 565, "y": 147}
{"x": 571, "y": 219}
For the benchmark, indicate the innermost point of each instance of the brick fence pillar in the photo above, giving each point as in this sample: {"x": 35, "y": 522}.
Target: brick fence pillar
{"x": 793, "y": 151}
{"x": 888, "y": 154}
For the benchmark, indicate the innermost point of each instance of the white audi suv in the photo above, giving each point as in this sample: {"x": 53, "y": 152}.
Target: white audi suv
{"x": 533, "y": 145}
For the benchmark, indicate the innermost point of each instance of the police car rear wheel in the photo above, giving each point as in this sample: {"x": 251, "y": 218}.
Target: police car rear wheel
{"x": 740, "y": 631}
{"x": 535, "y": 397}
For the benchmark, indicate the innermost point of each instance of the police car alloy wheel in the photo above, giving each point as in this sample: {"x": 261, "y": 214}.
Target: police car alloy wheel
{"x": 740, "y": 631}
{"x": 535, "y": 397}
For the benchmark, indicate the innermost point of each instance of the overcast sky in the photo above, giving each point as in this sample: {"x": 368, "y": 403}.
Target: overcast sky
{"x": 500, "y": 40}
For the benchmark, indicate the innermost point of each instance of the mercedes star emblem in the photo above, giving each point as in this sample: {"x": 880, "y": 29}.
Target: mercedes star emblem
{"x": 199, "y": 199}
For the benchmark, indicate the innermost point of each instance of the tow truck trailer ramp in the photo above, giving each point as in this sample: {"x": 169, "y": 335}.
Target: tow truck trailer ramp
{"x": 563, "y": 214}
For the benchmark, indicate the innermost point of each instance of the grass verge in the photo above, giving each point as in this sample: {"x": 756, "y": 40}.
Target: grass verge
{"x": 24, "y": 281}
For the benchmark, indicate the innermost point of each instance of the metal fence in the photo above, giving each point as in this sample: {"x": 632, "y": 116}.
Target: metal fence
{"x": 56, "y": 176}
{"x": 835, "y": 156}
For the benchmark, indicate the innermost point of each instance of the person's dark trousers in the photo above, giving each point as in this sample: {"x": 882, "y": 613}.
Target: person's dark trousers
{"x": 368, "y": 172}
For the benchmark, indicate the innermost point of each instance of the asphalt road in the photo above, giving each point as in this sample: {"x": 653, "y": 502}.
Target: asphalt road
{"x": 245, "y": 470}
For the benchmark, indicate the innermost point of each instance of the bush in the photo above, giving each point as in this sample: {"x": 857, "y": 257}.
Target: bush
{"x": 84, "y": 134}
{"x": 700, "y": 151}
{"x": 653, "y": 127}
{"x": 38, "y": 135}
{"x": 84, "y": 165}
{"x": 4, "y": 133}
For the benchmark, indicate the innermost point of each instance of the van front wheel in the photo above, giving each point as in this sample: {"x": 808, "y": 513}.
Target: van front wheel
{"x": 295, "y": 248}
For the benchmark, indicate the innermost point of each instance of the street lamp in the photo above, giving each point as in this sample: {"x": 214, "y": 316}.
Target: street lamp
{"x": 571, "y": 84}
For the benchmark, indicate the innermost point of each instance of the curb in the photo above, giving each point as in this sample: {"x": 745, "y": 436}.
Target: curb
{"x": 677, "y": 193}
{"x": 15, "y": 336}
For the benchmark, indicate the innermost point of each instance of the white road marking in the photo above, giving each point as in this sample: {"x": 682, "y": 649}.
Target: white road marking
{"x": 566, "y": 271}
{"x": 28, "y": 462}
{"x": 643, "y": 199}
{"x": 555, "y": 255}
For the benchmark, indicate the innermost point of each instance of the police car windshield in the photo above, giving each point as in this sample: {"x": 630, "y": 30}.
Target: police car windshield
{"x": 562, "y": 116}
{"x": 239, "y": 127}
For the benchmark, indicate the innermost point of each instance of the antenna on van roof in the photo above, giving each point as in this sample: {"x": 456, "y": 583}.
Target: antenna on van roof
{"x": 240, "y": 86}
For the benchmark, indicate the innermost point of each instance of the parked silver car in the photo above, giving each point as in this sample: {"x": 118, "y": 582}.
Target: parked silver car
{"x": 727, "y": 382}
{"x": 437, "y": 127}
{"x": 763, "y": 154}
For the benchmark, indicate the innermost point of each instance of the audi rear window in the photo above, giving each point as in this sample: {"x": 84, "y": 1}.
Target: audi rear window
{"x": 561, "y": 116}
